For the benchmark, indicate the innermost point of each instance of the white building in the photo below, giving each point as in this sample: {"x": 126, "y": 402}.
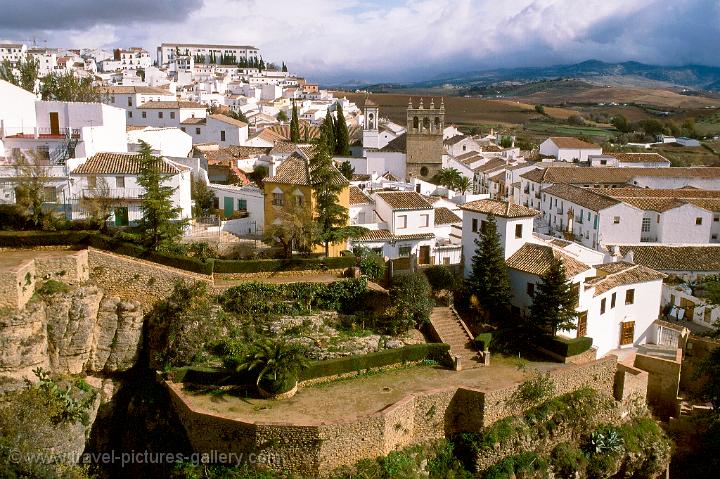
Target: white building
{"x": 167, "y": 52}
{"x": 17, "y": 111}
{"x": 243, "y": 208}
{"x": 568, "y": 149}
{"x": 132, "y": 97}
{"x": 127, "y": 59}
{"x": 12, "y": 52}
{"x": 114, "y": 175}
{"x": 163, "y": 141}
{"x": 461, "y": 144}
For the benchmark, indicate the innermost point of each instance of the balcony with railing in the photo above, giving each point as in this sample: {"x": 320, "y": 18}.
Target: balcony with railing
{"x": 117, "y": 193}
{"x": 38, "y": 133}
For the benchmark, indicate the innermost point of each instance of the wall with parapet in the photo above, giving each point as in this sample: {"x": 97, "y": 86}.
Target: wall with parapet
{"x": 663, "y": 383}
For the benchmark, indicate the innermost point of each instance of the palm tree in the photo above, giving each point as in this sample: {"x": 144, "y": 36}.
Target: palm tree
{"x": 277, "y": 363}
{"x": 449, "y": 177}
{"x": 463, "y": 184}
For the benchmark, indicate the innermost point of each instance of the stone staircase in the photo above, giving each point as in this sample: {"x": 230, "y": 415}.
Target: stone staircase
{"x": 451, "y": 330}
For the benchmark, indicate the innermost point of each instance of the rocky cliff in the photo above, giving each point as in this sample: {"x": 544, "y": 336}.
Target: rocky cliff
{"x": 83, "y": 330}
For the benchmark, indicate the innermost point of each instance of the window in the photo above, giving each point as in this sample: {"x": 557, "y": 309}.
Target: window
{"x": 698, "y": 221}
{"x": 172, "y": 115}
{"x": 160, "y": 114}
{"x": 222, "y": 135}
{"x": 424, "y": 220}
{"x": 582, "y": 324}
{"x": 616, "y": 220}
{"x": 298, "y": 200}
{"x": 474, "y": 225}
{"x": 277, "y": 199}
{"x": 242, "y": 205}
{"x": 129, "y": 101}
{"x": 144, "y": 114}
{"x": 49, "y": 194}
{"x": 92, "y": 181}
{"x": 645, "y": 225}
{"x": 483, "y": 226}
{"x": 630, "y": 296}
{"x": 112, "y": 99}
{"x": 119, "y": 182}
{"x": 612, "y": 300}
{"x": 129, "y": 114}
{"x": 402, "y": 221}
{"x": 518, "y": 231}
{"x": 716, "y": 218}
{"x": 602, "y": 306}
{"x": 404, "y": 251}
{"x": 530, "y": 289}
{"x": 197, "y": 131}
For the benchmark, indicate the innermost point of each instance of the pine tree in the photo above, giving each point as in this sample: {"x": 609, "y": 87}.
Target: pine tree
{"x": 160, "y": 224}
{"x": 554, "y": 302}
{"x": 331, "y": 216}
{"x": 284, "y": 67}
{"x": 294, "y": 125}
{"x": 347, "y": 170}
{"x": 342, "y": 137}
{"x": 328, "y": 131}
{"x": 489, "y": 280}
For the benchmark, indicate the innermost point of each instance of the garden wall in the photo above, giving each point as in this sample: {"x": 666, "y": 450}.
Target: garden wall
{"x": 663, "y": 383}
{"x": 17, "y": 284}
{"x": 319, "y": 447}
{"x": 135, "y": 279}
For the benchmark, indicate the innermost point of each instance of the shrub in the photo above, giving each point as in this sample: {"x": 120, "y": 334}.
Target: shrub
{"x": 441, "y": 277}
{"x": 271, "y": 265}
{"x": 27, "y": 239}
{"x": 483, "y": 340}
{"x": 533, "y": 391}
{"x": 202, "y": 250}
{"x": 524, "y": 464}
{"x": 566, "y": 347}
{"x": 568, "y": 460}
{"x": 410, "y": 297}
{"x": 52, "y": 286}
{"x": 415, "y": 352}
{"x": 373, "y": 266}
{"x": 605, "y": 439}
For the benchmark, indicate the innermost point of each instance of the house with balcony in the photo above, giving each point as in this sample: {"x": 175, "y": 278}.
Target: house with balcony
{"x": 130, "y": 98}
{"x": 115, "y": 176}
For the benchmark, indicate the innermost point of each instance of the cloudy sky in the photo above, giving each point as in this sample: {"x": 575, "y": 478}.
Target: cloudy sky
{"x": 387, "y": 40}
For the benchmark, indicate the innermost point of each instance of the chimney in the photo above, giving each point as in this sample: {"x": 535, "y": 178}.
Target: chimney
{"x": 630, "y": 256}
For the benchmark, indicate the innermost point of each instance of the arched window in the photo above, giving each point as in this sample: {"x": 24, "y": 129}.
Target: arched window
{"x": 437, "y": 121}
{"x": 426, "y": 123}
{"x": 424, "y": 170}
{"x": 416, "y": 123}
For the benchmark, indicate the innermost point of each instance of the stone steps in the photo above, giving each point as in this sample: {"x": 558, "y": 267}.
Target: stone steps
{"x": 451, "y": 331}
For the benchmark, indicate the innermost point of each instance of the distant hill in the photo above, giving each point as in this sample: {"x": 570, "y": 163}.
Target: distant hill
{"x": 696, "y": 77}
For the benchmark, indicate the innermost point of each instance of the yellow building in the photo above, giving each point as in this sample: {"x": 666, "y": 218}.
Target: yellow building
{"x": 291, "y": 186}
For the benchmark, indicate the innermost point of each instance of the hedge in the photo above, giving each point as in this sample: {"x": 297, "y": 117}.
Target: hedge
{"x": 483, "y": 340}
{"x": 272, "y": 265}
{"x": 414, "y": 352}
{"x": 24, "y": 239}
{"x": 566, "y": 347}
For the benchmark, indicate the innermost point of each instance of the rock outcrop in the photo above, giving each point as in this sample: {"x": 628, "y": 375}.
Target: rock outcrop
{"x": 80, "y": 331}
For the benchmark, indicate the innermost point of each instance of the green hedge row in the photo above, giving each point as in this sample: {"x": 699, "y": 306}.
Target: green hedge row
{"x": 272, "y": 265}
{"x": 483, "y": 340}
{"x": 566, "y": 347}
{"x": 414, "y": 352}
{"x": 24, "y": 239}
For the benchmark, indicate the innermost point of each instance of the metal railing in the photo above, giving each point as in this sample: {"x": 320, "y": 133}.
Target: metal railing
{"x": 38, "y": 132}
{"x": 120, "y": 193}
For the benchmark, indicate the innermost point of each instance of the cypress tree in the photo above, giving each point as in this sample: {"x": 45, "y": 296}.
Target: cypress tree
{"x": 160, "y": 224}
{"x": 328, "y": 131}
{"x": 331, "y": 216}
{"x": 489, "y": 280}
{"x": 294, "y": 125}
{"x": 284, "y": 67}
{"x": 342, "y": 137}
{"x": 553, "y": 306}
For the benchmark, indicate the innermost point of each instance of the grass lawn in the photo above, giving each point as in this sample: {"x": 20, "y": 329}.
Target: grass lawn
{"x": 687, "y": 156}
{"x": 555, "y": 129}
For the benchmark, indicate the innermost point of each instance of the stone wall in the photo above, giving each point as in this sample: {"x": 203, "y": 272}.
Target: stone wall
{"x": 67, "y": 266}
{"x": 17, "y": 284}
{"x": 132, "y": 279}
{"x": 663, "y": 383}
{"x": 319, "y": 447}
{"x": 630, "y": 384}
{"x": 337, "y": 272}
{"x": 697, "y": 349}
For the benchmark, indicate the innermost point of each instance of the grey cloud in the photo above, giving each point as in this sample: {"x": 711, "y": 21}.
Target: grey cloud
{"x": 82, "y": 14}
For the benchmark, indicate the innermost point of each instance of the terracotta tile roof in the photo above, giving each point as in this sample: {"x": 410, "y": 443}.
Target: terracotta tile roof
{"x": 639, "y": 157}
{"x": 295, "y": 170}
{"x": 584, "y": 197}
{"x": 537, "y": 258}
{"x": 228, "y": 120}
{"x": 359, "y": 177}
{"x": 385, "y": 235}
{"x": 490, "y": 148}
{"x": 147, "y": 90}
{"x": 497, "y": 177}
{"x": 500, "y": 208}
{"x": 235, "y": 153}
{"x": 194, "y": 121}
{"x": 586, "y": 175}
{"x": 283, "y": 147}
{"x": 444, "y": 216}
{"x": 170, "y": 105}
{"x": 664, "y": 200}
{"x": 121, "y": 164}
{"x": 654, "y": 204}
{"x": 455, "y": 139}
{"x": 469, "y": 157}
{"x": 390, "y": 177}
{"x": 396, "y": 145}
{"x": 358, "y": 197}
{"x": 405, "y": 200}
{"x": 613, "y": 275}
{"x": 571, "y": 142}
{"x": 674, "y": 257}
{"x": 491, "y": 165}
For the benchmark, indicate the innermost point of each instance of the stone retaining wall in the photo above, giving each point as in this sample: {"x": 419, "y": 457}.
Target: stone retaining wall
{"x": 68, "y": 266}
{"x": 134, "y": 279}
{"x": 279, "y": 274}
{"x": 319, "y": 447}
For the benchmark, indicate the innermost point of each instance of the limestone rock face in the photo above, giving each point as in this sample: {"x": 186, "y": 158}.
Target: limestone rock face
{"x": 80, "y": 331}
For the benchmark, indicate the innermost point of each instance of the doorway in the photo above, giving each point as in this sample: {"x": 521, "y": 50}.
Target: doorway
{"x": 424, "y": 257}
{"x": 54, "y": 123}
{"x": 227, "y": 207}
{"x": 121, "y": 216}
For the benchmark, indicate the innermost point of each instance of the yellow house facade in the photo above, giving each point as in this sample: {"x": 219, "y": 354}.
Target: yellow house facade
{"x": 291, "y": 186}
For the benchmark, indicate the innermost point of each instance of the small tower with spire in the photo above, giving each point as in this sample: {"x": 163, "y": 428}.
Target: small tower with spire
{"x": 424, "y": 142}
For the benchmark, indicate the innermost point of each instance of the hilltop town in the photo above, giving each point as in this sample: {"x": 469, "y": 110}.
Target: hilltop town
{"x": 293, "y": 276}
